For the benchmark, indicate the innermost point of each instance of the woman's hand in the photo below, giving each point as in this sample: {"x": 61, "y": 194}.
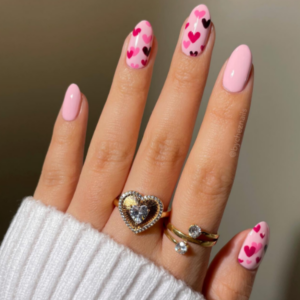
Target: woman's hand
{"x": 87, "y": 191}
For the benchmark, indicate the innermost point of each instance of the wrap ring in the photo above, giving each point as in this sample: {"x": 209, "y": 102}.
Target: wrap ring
{"x": 140, "y": 212}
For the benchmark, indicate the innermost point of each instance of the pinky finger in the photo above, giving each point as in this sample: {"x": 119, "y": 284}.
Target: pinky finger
{"x": 231, "y": 274}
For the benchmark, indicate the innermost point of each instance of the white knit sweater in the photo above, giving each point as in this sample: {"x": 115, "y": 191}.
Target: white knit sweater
{"x": 47, "y": 254}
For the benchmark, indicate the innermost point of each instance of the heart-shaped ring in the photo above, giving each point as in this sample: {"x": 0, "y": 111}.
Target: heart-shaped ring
{"x": 140, "y": 212}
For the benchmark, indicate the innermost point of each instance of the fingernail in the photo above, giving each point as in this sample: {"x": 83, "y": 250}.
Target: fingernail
{"x": 238, "y": 69}
{"x": 71, "y": 104}
{"x": 139, "y": 48}
{"x": 255, "y": 246}
{"x": 196, "y": 31}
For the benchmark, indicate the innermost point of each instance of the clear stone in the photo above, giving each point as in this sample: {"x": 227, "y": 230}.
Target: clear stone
{"x": 138, "y": 213}
{"x": 181, "y": 247}
{"x": 194, "y": 231}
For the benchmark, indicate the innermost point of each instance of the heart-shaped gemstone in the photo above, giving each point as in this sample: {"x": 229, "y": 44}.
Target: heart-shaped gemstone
{"x": 139, "y": 212}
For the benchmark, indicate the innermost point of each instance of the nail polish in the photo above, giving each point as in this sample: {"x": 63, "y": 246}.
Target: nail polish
{"x": 139, "y": 47}
{"x": 238, "y": 69}
{"x": 71, "y": 104}
{"x": 255, "y": 246}
{"x": 196, "y": 31}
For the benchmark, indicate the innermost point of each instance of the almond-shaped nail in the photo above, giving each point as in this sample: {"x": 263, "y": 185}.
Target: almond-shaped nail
{"x": 255, "y": 246}
{"x": 139, "y": 47}
{"x": 238, "y": 69}
{"x": 196, "y": 31}
{"x": 71, "y": 104}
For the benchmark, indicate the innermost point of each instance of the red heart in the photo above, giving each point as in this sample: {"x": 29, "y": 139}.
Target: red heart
{"x": 249, "y": 250}
{"x": 262, "y": 235}
{"x": 258, "y": 259}
{"x": 187, "y": 25}
{"x": 135, "y": 32}
{"x": 256, "y": 228}
{"x": 240, "y": 260}
{"x": 129, "y": 54}
{"x": 193, "y": 37}
{"x": 144, "y": 62}
{"x": 202, "y": 47}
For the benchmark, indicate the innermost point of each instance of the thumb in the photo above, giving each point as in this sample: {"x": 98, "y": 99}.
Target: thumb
{"x": 231, "y": 274}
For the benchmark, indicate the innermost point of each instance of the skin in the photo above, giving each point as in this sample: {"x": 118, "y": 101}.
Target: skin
{"x": 87, "y": 190}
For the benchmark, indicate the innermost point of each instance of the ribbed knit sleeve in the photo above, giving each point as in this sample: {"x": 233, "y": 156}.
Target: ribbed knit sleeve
{"x": 47, "y": 254}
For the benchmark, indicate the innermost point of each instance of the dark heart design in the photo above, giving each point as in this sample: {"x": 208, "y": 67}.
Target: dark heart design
{"x": 202, "y": 47}
{"x": 194, "y": 37}
{"x": 265, "y": 248}
{"x": 139, "y": 212}
{"x": 258, "y": 259}
{"x": 193, "y": 53}
{"x": 146, "y": 51}
{"x": 144, "y": 62}
{"x": 249, "y": 250}
{"x": 262, "y": 235}
{"x": 205, "y": 23}
{"x": 136, "y": 31}
{"x": 129, "y": 54}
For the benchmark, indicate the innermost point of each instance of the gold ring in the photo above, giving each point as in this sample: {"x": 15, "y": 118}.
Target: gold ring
{"x": 140, "y": 212}
{"x": 195, "y": 233}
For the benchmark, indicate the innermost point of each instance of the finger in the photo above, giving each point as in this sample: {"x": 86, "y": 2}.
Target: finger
{"x": 166, "y": 141}
{"x": 208, "y": 175}
{"x": 113, "y": 145}
{"x": 64, "y": 158}
{"x": 231, "y": 274}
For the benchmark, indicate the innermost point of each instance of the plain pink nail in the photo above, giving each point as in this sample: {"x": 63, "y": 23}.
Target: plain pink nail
{"x": 71, "y": 103}
{"x": 255, "y": 246}
{"x": 196, "y": 31}
{"x": 238, "y": 69}
{"x": 139, "y": 47}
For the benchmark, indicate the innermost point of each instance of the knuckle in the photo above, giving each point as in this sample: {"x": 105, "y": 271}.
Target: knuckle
{"x": 225, "y": 291}
{"x": 63, "y": 135}
{"x": 57, "y": 176}
{"x": 161, "y": 150}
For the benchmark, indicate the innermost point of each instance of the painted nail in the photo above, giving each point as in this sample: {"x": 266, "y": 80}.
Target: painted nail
{"x": 196, "y": 31}
{"x": 71, "y": 104}
{"x": 255, "y": 246}
{"x": 139, "y": 48}
{"x": 238, "y": 69}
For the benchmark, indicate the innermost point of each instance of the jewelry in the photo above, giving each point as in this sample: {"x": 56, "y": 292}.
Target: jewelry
{"x": 140, "y": 212}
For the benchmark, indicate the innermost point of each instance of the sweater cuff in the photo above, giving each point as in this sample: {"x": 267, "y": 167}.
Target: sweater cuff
{"x": 49, "y": 254}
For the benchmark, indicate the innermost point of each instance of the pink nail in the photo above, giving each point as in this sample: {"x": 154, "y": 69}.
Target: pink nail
{"x": 139, "y": 48}
{"x": 196, "y": 31}
{"x": 255, "y": 246}
{"x": 71, "y": 103}
{"x": 238, "y": 69}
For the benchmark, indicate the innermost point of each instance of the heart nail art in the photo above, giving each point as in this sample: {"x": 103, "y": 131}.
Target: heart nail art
{"x": 254, "y": 246}
{"x": 129, "y": 54}
{"x": 195, "y": 39}
{"x": 136, "y": 31}
{"x": 144, "y": 62}
{"x": 135, "y": 51}
{"x": 262, "y": 235}
{"x": 147, "y": 39}
{"x": 147, "y": 51}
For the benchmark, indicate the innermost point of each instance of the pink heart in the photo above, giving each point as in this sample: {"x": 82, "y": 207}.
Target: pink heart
{"x": 262, "y": 235}
{"x": 256, "y": 228}
{"x": 200, "y": 14}
{"x": 135, "y": 32}
{"x": 186, "y": 44}
{"x": 187, "y": 25}
{"x": 129, "y": 54}
{"x": 194, "y": 37}
{"x": 134, "y": 51}
{"x": 249, "y": 250}
{"x": 248, "y": 261}
{"x": 134, "y": 66}
{"x": 147, "y": 39}
{"x": 257, "y": 246}
{"x": 240, "y": 260}
{"x": 144, "y": 62}
{"x": 202, "y": 47}
{"x": 148, "y": 23}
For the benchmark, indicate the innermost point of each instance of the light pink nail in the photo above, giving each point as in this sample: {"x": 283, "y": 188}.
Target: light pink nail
{"x": 71, "y": 104}
{"x": 196, "y": 31}
{"x": 255, "y": 246}
{"x": 139, "y": 48}
{"x": 238, "y": 69}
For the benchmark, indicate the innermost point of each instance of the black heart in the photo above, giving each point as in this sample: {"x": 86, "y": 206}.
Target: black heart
{"x": 146, "y": 51}
{"x": 265, "y": 248}
{"x": 205, "y": 23}
{"x": 193, "y": 53}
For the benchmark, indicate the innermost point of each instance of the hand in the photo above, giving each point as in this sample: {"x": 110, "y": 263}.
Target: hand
{"x": 87, "y": 190}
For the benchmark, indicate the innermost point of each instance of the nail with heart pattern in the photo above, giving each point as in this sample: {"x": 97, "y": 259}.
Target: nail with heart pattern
{"x": 196, "y": 31}
{"x": 140, "y": 44}
{"x": 255, "y": 246}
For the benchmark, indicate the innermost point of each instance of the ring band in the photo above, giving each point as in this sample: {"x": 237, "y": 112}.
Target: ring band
{"x": 211, "y": 236}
